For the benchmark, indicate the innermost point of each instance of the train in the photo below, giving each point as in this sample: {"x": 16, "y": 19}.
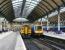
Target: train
{"x": 55, "y": 29}
{"x": 27, "y": 30}
{"x": 37, "y": 30}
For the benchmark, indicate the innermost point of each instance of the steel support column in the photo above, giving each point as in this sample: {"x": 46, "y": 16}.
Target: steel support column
{"x": 42, "y": 24}
{"x": 58, "y": 19}
{"x": 41, "y": 21}
{"x": 47, "y": 23}
{"x": 22, "y": 8}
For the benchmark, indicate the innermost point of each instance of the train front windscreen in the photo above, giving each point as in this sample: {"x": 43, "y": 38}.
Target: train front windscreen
{"x": 38, "y": 30}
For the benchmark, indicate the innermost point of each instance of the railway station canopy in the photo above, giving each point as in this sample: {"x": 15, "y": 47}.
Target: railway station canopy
{"x": 32, "y": 9}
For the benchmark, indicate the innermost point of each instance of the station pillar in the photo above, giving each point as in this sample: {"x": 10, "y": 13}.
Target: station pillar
{"x": 42, "y": 24}
{"x": 47, "y": 23}
{"x": 58, "y": 19}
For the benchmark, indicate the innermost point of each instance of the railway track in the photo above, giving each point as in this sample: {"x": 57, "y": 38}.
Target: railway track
{"x": 34, "y": 45}
{"x": 51, "y": 44}
{"x": 30, "y": 45}
{"x": 42, "y": 44}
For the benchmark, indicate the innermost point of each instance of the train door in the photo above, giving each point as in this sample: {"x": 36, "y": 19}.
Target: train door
{"x": 25, "y": 30}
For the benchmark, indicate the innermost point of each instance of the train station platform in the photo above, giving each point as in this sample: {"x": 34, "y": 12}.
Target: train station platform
{"x": 11, "y": 41}
{"x": 55, "y": 35}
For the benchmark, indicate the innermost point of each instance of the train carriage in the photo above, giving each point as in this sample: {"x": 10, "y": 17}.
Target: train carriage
{"x": 38, "y": 30}
{"x": 25, "y": 30}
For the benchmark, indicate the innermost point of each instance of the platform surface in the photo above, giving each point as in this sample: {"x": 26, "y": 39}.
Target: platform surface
{"x": 55, "y": 35}
{"x": 20, "y": 43}
{"x": 11, "y": 41}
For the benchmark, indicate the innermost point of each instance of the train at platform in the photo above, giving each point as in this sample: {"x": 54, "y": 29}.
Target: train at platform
{"x": 27, "y": 30}
{"x": 36, "y": 30}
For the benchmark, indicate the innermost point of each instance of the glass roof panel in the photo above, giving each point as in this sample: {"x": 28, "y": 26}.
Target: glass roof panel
{"x": 17, "y": 7}
{"x": 29, "y": 6}
{"x": 56, "y": 12}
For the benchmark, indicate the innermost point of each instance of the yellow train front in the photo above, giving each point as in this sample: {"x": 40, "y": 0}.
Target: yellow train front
{"x": 25, "y": 31}
{"x": 38, "y": 30}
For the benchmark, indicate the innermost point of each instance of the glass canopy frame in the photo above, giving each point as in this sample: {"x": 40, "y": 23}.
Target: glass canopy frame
{"x": 29, "y": 6}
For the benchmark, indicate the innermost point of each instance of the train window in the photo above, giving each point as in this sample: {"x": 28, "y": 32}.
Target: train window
{"x": 38, "y": 27}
